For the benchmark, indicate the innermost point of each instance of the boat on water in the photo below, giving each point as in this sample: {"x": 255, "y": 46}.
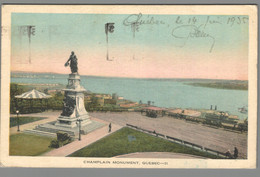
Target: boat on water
{"x": 243, "y": 110}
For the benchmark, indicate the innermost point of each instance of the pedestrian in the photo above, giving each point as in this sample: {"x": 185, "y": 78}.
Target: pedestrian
{"x": 109, "y": 128}
{"x": 228, "y": 154}
{"x": 235, "y": 152}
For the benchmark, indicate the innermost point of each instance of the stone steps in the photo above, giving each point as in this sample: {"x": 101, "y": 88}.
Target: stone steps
{"x": 49, "y": 129}
{"x": 38, "y": 132}
{"x": 52, "y": 130}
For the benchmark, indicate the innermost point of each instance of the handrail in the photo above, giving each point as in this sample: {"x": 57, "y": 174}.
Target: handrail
{"x": 218, "y": 153}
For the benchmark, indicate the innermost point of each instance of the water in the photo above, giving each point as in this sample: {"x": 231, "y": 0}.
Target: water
{"x": 163, "y": 92}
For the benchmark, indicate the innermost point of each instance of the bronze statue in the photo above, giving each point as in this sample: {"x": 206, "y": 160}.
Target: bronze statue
{"x": 68, "y": 106}
{"x": 73, "y": 62}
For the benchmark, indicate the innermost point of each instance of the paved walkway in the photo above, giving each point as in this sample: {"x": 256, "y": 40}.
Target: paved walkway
{"x": 208, "y": 137}
{"x": 75, "y": 145}
{"x": 216, "y": 139}
{"x": 85, "y": 141}
{"x": 50, "y": 116}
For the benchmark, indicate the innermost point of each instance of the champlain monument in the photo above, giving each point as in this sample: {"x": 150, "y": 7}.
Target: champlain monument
{"x": 73, "y": 103}
{"x": 74, "y": 115}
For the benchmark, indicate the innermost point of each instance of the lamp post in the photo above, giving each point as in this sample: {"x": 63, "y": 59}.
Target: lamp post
{"x": 79, "y": 120}
{"x": 18, "y": 121}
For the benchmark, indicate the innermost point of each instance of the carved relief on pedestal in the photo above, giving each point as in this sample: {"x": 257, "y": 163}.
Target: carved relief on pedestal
{"x": 68, "y": 105}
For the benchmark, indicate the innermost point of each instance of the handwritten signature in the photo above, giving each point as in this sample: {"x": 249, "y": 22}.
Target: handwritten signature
{"x": 187, "y": 32}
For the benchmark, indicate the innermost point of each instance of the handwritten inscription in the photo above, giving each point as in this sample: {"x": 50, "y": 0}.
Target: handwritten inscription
{"x": 192, "y": 31}
{"x": 136, "y": 20}
{"x": 185, "y": 28}
{"x": 237, "y": 20}
{"x": 139, "y": 19}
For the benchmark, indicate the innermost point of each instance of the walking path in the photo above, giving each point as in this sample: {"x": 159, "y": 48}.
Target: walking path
{"x": 50, "y": 116}
{"x": 75, "y": 145}
{"x": 85, "y": 141}
{"x": 216, "y": 139}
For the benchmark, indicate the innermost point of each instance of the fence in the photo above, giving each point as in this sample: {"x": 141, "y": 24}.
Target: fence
{"x": 179, "y": 141}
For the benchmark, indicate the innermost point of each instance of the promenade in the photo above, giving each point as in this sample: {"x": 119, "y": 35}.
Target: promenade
{"x": 216, "y": 139}
{"x": 213, "y": 138}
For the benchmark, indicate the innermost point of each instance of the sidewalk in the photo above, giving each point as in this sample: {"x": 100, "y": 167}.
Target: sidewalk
{"x": 50, "y": 116}
{"x": 85, "y": 141}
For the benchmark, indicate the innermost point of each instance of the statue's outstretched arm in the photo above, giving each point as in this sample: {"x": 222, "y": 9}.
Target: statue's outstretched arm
{"x": 67, "y": 63}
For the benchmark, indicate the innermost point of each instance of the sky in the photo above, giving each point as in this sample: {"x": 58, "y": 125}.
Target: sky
{"x": 141, "y": 45}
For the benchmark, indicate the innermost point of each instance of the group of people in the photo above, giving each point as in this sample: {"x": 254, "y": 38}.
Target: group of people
{"x": 234, "y": 156}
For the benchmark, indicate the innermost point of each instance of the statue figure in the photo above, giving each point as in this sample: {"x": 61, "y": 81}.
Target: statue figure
{"x": 73, "y": 62}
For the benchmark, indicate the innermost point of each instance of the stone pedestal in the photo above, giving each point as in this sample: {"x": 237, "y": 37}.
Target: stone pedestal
{"x": 73, "y": 109}
{"x": 73, "y": 105}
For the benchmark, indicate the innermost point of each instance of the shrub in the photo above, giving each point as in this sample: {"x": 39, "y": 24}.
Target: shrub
{"x": 62, "y": 139}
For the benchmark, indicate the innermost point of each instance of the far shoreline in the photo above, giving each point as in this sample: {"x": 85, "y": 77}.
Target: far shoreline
{"x": 118, "y": 77}
{"x": 222, "y": 85}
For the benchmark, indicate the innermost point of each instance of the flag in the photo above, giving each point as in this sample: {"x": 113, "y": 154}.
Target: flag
{"x": 109, "y": 28}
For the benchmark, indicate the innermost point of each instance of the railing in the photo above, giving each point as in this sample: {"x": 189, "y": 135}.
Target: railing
{"x": 179, "y": 141}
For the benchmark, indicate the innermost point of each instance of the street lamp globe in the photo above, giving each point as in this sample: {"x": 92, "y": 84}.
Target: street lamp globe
{"x": 18, "y": 121}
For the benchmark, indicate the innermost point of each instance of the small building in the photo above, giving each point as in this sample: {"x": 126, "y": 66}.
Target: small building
{"x": 153, "y": 111}
{"x": 127, "y": 105}
{"x": 100, "y": 101}
{"x": 184, "y": 113}
{"x": 114, "y": 96}
{"x": 110, "y": 101}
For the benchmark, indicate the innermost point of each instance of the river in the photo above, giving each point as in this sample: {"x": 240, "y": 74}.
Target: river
{"x": 169, "y": 93}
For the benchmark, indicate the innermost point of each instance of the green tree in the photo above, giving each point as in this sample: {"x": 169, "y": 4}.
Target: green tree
{"x": 45, "y": 91}
{"x": 15, "y": 90}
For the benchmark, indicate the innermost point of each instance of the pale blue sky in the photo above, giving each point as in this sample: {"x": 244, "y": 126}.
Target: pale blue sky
{"x": 88, "y": 29}
{"x": 64, "y": 32}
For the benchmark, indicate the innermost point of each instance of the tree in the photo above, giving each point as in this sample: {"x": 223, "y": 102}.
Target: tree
{"x": 15, "y": 90}
{"x": 58, "y": 94}
{"x": 45, "y": 91}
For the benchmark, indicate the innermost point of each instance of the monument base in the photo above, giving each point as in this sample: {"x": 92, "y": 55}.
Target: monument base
{"x": 71, "y": 122}
{"x": 74, "y": 114}
{"x": 50, "y": 129}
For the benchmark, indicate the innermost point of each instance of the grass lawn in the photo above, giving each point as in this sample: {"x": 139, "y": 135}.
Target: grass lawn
{"x": 23, "y": 120}
{"x": 128, "y": 140}
{"x": 28, "y": 145}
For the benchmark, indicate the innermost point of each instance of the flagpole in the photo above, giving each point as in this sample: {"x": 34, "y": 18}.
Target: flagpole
{"x": 109, "y": 28}
{"x": 29, "y": 36}
{"x": 134, "y": 29}
{"x": 107, "y": 45}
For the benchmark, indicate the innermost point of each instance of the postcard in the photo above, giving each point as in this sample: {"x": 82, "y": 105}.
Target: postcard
{"x": 129, "y": 86}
